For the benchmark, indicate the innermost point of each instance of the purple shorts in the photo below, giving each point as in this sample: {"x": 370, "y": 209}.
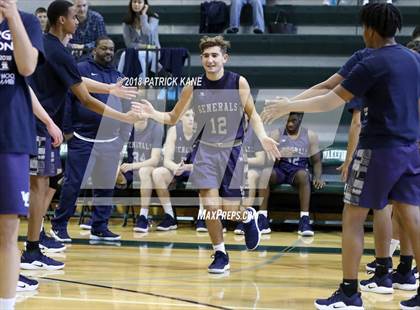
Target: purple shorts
{"x": 379, "y": 175}
{"x": 285, "y": 172}
{"x": 14, "y": 184}
{"x": 221, "y": 168}
{"x": 47, "y": 162}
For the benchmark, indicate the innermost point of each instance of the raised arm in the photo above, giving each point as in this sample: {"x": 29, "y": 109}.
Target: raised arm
{"x": 117, "y": 89}
{"x": 81, "y": 92}
{"x": 146, "y": 109}
{"x": 25, "y": 54}
{"x": 321, "y": 88}
{"x": 96, "y": 87}
{"x": 335, "y": 98}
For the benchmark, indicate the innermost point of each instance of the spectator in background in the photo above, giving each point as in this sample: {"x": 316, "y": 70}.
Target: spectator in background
{"x": 140, "y": 27}
{"x": 140, "y": 31}
{"x": 41, "y": 14}
{"x": 143, "y": 149}
{"x": 91, "y": 27}
{"x": 257, "y": 15}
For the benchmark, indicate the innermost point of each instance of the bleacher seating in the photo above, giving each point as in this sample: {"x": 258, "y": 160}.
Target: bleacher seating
{"x": 327, "y": 31}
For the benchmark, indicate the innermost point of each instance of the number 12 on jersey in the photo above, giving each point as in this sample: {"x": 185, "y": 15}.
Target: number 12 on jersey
{"x": 218, "y": 125}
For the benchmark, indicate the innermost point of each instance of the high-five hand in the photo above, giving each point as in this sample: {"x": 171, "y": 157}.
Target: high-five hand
{"x": 144, "y": 108}
{"x": 275, "y": 109}
{"x": 270, "y": 147}
{"x": 119, "y": 90}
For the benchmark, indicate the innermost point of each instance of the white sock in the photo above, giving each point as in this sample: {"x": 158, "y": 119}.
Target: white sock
{"x": 249, "y": 217}
{"x": 201, "y": 209}
{"x": 264, "y": 212}
{"x": 393, "y": 246}
{"x": 304, "y": 213}
{"x": 168, "y": 209}
{"x": 144, "y": 211}
{"x": 365, "y": 2}
{"x": 219, "y": 247}
{"x": 7, "y": 303}
{"x": 389, "y": 1}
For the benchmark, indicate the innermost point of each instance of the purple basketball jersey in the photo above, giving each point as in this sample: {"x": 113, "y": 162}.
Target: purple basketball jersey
{"x": 218, "y": 109}
{"x": 183, "y": 146}
{"x": 142, "y": 142}
{"x": 295, "y": 151}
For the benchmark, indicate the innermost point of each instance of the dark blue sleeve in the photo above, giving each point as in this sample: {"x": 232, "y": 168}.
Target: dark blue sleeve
{"x": 33, "y": 29}
{"x": 354, "y": 105}
{"x": 84, "y": 68}
{"x": 65, "y": 67}
{"x": 157, "y": 136}
{"x": 360, "y": 80}
{"x": 350, "y": 63}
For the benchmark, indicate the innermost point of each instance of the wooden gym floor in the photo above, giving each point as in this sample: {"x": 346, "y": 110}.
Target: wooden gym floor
{"x": 168, "y": 270}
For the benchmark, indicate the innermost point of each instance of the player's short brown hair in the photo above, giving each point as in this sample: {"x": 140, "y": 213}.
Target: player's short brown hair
{"x": 207, "y": 42}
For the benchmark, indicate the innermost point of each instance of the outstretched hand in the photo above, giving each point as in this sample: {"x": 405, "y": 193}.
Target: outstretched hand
{"x": 133, "y": 117}
{"x": 274, "y": 109}
{"x": 119, "y": 90}
{"x": 143, "y": 108}
{"x": 270, "y": 147}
